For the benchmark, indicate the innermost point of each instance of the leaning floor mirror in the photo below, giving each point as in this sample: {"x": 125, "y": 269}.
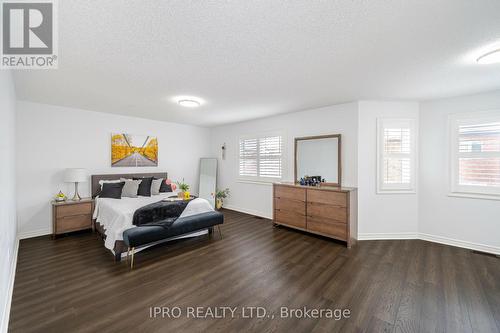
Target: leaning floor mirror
{"x": 318, "y": 158}
{"x": 208, "y": 179}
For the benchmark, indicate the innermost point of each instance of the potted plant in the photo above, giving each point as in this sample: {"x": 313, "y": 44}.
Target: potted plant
{"x": 220, "y": 195}
{"x": 183, "y": 187}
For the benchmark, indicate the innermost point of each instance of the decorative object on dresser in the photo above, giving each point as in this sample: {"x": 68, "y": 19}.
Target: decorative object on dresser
{"x": 60, "y": 197}
{"x": 71, "y": 216}
{"x": 318, "y": 160}
{"x": 325, "y": 210}
{"x": 76, "y": 175}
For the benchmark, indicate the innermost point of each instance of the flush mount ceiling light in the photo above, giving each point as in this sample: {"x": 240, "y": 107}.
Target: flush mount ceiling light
{"x": 491, "y": 57}
{"x": 188, "y": 101}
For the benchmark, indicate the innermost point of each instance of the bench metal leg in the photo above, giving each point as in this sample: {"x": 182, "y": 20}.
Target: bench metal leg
{"x": 220, "y": 232}
{"x": 132, "y": 258}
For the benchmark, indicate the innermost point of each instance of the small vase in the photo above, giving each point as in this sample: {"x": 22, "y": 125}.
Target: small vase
{"x": 180, "y": 195}
{"x": 218, "y": 203}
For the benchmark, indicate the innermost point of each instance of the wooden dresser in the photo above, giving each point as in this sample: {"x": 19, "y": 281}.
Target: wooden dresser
{"x": 325, "y": 210}
{"x": 71, "y": 216}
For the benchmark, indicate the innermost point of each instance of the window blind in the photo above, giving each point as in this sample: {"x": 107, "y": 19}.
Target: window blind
{"x": 261, "y": 157}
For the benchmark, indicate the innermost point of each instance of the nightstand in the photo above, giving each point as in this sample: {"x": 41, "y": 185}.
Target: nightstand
{"x": 68, "y": 216}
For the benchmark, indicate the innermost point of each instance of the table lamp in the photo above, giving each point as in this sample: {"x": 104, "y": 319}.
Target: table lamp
{"x": 76, "y": 176}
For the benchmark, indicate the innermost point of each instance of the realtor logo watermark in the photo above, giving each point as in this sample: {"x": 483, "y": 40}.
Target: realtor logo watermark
{"x": 29, "y": 34}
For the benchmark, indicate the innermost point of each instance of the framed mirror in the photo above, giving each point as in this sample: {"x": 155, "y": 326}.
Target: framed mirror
{"x": 208, "y": 179}
{"x": 319, "y": 157}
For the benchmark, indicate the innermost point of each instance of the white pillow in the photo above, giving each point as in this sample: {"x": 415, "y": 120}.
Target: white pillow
{"x": 130, "y": 188}
{"x": 155, "y": 186}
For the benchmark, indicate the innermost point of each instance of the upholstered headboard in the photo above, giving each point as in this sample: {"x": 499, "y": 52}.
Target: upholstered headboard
{"x": 96, "y": 188}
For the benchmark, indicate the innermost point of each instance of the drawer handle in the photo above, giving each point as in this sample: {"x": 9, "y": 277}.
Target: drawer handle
{"x": 71, "y": 216}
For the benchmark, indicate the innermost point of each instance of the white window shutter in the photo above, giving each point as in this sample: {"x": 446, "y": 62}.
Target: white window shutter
{"x": 261, "y": 158}
{"x": 395, "y": 155}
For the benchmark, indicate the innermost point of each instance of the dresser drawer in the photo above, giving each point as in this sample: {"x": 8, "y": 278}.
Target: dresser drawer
{"x": 327, "y": 227}
{"x": 292, "y": 206}
{"x": 291, "y": 193}
{"x": 290, "y": 218}
{"x": 327, "y": 197}
{"x": 74, "y": 209}
{"x": 74, "y": 222}
{"x": 339, "y": 214}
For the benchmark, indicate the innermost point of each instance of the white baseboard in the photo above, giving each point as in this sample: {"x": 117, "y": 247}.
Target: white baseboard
{"x": 460, "y": 243}
{"x": 248, "y": 211}
{"x": 34, "y": 233}
{"x": 431, "y": 238}
{"x": 12, "y": 275}
{"x": 380, "y": 236}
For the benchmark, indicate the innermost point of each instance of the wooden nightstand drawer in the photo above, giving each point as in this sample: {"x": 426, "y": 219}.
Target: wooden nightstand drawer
{"x": 73, "y": 223}
{"x": 73, "y": 209}
{"x": 71, "y": 216}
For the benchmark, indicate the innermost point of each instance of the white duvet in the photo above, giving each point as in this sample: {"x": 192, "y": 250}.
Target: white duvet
{"x": 115, "y": 215}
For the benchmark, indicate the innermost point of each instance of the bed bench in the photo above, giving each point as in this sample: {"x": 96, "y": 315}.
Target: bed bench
{"x": 146, "y": 235}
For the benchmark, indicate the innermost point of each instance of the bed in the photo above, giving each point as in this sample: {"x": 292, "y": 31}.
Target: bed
{"x": 112, "y": 218}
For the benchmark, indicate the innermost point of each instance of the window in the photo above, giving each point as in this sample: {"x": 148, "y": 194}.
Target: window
{"x": 475, "y": 154}
{"x": 395, "y": 156}
{"x": 261, "y": 158}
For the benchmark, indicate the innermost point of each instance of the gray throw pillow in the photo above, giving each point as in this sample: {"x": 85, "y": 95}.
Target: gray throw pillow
{"x": 130, "y": 188}
{"x": 155, "y": 186}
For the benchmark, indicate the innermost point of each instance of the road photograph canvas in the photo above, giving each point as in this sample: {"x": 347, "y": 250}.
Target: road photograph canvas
{"x": 129, "y": 150}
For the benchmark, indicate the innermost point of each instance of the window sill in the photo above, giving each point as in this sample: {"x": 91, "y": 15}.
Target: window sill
{"x": 474, "y": 196}
{"x": 396, "y": 192}
{"x": 257, "y": 182}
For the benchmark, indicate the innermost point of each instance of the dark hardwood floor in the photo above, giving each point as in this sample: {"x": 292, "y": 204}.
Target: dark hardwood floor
{"x": 72, "y": 284}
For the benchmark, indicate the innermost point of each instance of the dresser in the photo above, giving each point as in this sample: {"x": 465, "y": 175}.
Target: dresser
{"x": 71, "y": 216}
{"x": 325, "y": 210}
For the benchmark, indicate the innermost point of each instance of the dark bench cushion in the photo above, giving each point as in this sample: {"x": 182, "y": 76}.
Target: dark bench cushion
{"x": 139, "y": 236}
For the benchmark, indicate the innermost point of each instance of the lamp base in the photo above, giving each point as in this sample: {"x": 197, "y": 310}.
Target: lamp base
{"x": 76, "y": 197}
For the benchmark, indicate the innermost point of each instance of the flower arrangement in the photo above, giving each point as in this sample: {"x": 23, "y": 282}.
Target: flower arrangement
{"x": 220, "y": 195}
{"x": 183, "y": 189}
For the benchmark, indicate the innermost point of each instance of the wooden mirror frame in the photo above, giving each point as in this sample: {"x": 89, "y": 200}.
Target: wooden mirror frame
{"x": 339, "y": 175}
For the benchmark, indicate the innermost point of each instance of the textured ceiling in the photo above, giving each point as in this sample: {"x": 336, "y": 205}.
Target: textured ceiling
{"x": 251, "y": 59}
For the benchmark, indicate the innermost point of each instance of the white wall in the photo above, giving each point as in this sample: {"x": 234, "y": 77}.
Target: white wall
{"x": 51, "y": 138}
{"x": 447, "y": 218}
{"x": 8, "y": 223}
{"x": 257, "y": 198}
{"x": 382, "y": 215}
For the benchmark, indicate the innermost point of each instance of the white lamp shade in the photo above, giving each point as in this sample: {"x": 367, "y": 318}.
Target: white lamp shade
{"x": 76, "y": 175}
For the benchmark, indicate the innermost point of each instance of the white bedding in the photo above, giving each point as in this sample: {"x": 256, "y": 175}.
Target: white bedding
{"x": 115, "y": 215}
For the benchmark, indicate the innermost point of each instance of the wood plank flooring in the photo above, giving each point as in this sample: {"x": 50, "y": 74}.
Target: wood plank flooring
{"x": 72, "y": 284}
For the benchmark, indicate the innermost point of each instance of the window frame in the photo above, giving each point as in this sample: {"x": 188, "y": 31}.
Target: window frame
{"x": 382, "y": 188}
{"x": 258, "y": 179}
{"x": 468, "y": 191}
